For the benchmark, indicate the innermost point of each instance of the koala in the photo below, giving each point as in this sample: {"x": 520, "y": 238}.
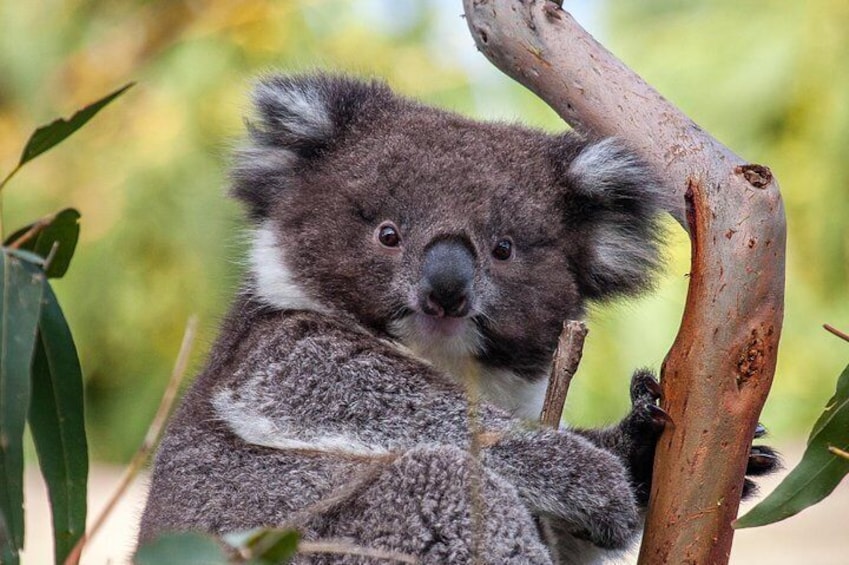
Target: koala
{"x": 378, "y": 376}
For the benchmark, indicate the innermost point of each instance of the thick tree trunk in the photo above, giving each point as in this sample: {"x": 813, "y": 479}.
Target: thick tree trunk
{"x": 717, "y": 375}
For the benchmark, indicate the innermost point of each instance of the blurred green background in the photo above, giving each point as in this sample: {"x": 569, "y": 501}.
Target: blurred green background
{"x": 160, "y": 241}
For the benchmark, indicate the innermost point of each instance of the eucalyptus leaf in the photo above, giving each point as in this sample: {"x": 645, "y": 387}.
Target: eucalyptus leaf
{"x": 265, "y": 546}
{"x": 274, "y": 546}
{"x": 47, "y": 137}
{"x": 26, "y": 256}
{"x": 187, "y": 548}
{"x": 8, "y": 551}
{"x": 819, "y": 471}
{"x": 61, "y": 229}
{"x": 21, "y": 287}
{"x": 57, "y": 422}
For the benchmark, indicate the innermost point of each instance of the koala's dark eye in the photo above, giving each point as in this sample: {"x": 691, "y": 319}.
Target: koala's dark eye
{"x": 388, "y": 236}
{"x": 503, "y": 250}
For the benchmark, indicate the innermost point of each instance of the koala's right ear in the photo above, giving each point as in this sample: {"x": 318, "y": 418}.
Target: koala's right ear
{"x": 612, "y": 206}
{"x": 298, "y": 119}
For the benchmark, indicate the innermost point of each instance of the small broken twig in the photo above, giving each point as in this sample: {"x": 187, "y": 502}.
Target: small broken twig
{"x": 567, "y": 356}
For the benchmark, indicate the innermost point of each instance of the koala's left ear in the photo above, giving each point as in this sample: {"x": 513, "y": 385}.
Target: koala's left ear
{"x": 612, "y": 202}
{"x": 298, "y": 119}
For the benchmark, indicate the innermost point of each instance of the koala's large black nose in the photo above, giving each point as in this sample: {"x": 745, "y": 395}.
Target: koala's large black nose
{"x": 447, "y": 276}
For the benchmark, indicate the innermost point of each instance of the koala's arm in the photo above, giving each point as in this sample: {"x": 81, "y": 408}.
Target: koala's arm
{"x": 323, "y": 386}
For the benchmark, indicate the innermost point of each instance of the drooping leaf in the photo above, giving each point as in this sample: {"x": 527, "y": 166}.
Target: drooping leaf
{"x": 265, "y": 546}
{"x": 819, "y": 471}
{"x": 185, "y": 548}
{"x": 47, "y": 137}
{"x": 62, "y": 229}
{"x": 57, "y": 422}
{"x": 835, "y": 409}
{"x": 21, "y": 288}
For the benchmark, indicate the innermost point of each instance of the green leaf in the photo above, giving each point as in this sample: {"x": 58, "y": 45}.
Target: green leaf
{"x": 21, "y": 288}
{"x": 61, "y": 229}
{"x": 186, "y": 548}
{"x": 819, "y": 471}
{"x": 8, "y": 551}
{"x": 47, "y": 137}
{"x": 265, "y": 545}
{"x": 835, "y": 409}
{"x": 57, "y": 421}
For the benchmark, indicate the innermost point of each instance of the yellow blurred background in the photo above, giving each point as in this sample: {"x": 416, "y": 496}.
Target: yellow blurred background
{"x": 160, "y": 241}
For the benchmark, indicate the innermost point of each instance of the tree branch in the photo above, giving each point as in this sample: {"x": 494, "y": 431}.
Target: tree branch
{"x": 567, "y": 356}
{"x": 717, "y": 375}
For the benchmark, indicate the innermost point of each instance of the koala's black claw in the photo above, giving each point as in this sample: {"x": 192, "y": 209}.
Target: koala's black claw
{"x": 762, "y": 461}
{"x": 760, "y": 431}
{"x": 644, "y": 386}
{"x": 749, "y": 489}
{"x": 659, "y": 416}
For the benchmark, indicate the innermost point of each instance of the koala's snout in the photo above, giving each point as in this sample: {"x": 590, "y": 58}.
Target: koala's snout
{"x": 448, "y": 272}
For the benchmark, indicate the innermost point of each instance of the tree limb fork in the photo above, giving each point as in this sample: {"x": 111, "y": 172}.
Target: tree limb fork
{"x": 716, "y": 376}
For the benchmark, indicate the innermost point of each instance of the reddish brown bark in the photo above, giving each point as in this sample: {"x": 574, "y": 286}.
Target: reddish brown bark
{"x": 717, "y": 375}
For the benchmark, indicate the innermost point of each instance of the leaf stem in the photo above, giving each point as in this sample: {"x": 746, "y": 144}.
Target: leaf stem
{"x": 151, "y": 439}
{"x": 9, "y": 176}
{"x": 839, "y": 452}
{"x": 842, "y": 335}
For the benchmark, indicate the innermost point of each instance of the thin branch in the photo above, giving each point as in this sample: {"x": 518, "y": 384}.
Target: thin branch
{"x": 341, "y": 495}
{"x": 154, "y": 434}
{"x": 36, "y": 228}
{"x": 340, "y": 547}
{"x": 842, "y": 335}
{"x": 570, "y": 348}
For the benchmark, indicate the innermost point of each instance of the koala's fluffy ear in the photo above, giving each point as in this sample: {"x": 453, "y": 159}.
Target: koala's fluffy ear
{"x": 297, "y": 119}
{"x": 612, "y": 202}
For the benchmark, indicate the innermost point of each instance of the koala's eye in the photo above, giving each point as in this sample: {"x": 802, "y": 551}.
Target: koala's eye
{"x": 503, "y": 250}
{"x": 388, "y": 236}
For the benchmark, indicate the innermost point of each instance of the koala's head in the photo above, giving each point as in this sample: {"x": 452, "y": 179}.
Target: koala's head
{"x": 448, "y": 234}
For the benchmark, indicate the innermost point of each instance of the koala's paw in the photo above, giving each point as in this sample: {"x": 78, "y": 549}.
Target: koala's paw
{"x": 641, "y": 429}
{"x": 763, "y": 460}
{"x": 646, "y": 421}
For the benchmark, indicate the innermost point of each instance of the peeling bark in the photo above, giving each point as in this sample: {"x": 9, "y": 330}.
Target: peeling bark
{"x": 716, "y": 376}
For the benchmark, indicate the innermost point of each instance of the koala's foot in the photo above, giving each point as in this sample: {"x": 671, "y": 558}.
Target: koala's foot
{"x": 646, "y": 421}
{"x": 763, "y": 460}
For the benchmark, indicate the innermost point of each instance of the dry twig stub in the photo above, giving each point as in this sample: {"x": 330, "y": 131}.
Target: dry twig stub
{"x": 567, "y": 356}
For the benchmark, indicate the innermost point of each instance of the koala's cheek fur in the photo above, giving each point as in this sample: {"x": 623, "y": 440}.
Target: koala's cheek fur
{"x": 346, "y": 358}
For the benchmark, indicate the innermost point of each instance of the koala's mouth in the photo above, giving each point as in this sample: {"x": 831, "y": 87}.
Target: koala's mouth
{"x": 445, "y": 326}
{"x": 437, "y": 336}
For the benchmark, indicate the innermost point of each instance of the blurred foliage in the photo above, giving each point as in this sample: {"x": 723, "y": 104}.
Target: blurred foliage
{"x": 160, "y": 241}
